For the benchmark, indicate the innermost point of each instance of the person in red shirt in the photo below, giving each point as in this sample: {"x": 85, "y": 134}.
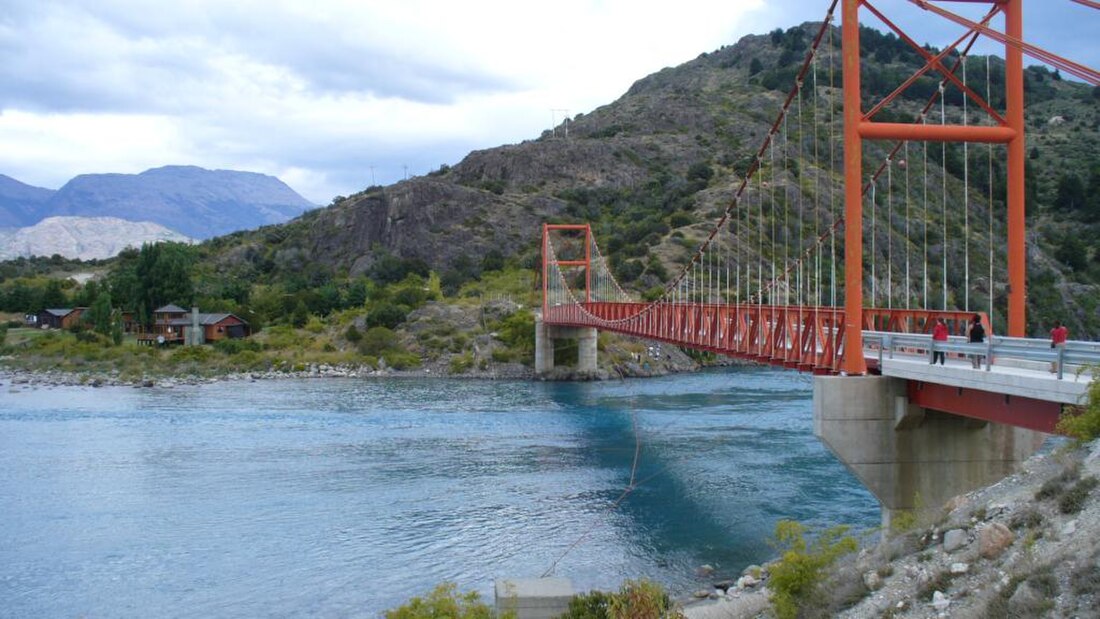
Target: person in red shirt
{"x": 1058, "y": 336}
{"x": 939, "y": 334}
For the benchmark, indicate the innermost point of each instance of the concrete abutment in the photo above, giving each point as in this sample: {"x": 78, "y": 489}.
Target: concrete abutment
{"x": 911, "y": 458}
{"x": 544, "y": 345}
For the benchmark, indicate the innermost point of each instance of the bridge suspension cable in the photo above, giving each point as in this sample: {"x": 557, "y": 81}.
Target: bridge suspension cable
{"x": 757, "y": 280}
{"x": 1077, "y": 70}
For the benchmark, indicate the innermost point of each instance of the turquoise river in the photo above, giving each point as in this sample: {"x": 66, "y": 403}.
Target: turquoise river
{"x": 341, "y": 497}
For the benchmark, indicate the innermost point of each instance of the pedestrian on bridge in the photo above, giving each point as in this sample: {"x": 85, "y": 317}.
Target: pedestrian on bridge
{"x": 976, "y": 335}
{"x": 939, "y": 334}
{"x": 1058, "y": 336}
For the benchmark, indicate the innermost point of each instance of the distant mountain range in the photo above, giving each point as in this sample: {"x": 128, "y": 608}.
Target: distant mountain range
{"x": 192, "y": 201}
{"x": 85, "y": 238}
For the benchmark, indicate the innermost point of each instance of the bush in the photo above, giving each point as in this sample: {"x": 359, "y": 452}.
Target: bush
{"x": 1073, "y": 501}
{"x": 591, "y": 605}
{"x": 400, "y": 359}
{"x": 445, "y": 601}
{"x": 314, "y": 325}
{"x": 197, "y": 354}
{"x": 386, "y": 315}
{"x": 249, "y": 360}
{"x": 235, "y": 346}
{"x": 796, "y": 577}
{"x": 1086, "y": 579}
{"x": 940, "y": 582}
{"x": 377, "y": 340}
{"x": 1083, "y": 425}
{"x": 460, "y": 364}
{"x": 640, "y": 599}
{"x": 1056, "y": 486}
{"x": 518, "y": 333}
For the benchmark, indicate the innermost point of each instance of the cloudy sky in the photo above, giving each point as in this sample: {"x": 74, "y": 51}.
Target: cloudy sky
{"x": 334, "y": 95}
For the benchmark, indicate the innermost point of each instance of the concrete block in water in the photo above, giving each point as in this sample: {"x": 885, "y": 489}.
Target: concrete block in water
{"x": 533, "y": 598}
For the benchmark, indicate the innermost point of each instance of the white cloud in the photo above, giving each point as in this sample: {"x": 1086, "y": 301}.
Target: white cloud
{"x": 318, "y": 93}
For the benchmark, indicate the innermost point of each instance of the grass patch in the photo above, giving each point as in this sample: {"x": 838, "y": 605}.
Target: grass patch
{"x": 460, "y": 364}
{"x": 1026, "y": 518}
{"x": 1073, "y": 501}
{"x": 1085, "y": 580}
{"x": 1056, "y": 486}
{"x": 1044, "y": 585}
{"x": 940, "y": 582}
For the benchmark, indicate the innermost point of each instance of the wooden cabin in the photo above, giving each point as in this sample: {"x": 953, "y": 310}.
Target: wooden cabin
{"x": 222, "y": 326}
{"x": 174, "y": 325}
{"x": 60, "y": 318}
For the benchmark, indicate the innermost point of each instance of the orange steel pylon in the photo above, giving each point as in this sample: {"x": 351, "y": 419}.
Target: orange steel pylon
{"x": 1009, "y": 129}
{"x": 546, "y": 259}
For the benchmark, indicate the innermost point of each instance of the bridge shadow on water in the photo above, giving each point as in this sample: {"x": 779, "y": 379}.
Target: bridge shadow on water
{"x": 723, "y": 456}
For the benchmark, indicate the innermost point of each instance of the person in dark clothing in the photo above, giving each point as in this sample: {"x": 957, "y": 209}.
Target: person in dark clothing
{"x": 976, "y": 335}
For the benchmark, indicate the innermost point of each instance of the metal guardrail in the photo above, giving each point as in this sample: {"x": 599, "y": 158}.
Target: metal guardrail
{"x": 994, "y": 349}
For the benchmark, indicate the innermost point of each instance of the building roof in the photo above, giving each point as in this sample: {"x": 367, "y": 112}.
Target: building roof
{"x": 171, "y": 308}
{"x": 204, "y": 320}
{"x": 59, "y": 312}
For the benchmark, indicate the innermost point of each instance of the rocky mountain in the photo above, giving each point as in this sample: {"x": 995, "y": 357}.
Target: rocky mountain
{"x": 654, "y": 170}
{"x": 196, "y": 202}
{"x": 20, "y": 203}
{"x": 1026, "y": 546}
{"x": 83, "y": 238}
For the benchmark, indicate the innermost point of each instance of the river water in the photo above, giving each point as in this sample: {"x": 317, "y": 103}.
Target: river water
{"x": 337, "y": 497}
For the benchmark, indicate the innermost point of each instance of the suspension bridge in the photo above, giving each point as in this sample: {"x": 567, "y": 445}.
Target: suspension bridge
{"x": 827, "y": 262}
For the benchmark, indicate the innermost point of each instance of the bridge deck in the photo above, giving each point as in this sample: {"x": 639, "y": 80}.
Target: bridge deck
{"x": 1020, "y": 379}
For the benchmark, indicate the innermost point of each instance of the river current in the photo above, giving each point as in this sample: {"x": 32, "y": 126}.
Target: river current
{"x": 342, "y": 497}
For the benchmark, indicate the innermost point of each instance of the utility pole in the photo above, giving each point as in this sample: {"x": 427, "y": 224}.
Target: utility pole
{"x": 554, "y": 121}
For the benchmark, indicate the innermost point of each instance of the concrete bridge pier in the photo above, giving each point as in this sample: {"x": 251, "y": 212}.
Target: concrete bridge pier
{"x": 544, "y": 345}
{"x": 912, "y": 458}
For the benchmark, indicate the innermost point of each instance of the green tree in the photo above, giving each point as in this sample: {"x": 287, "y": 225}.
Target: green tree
{"x": 755, "y": 66}
{"x": 54, "y": 295}
{"x": 1071, "y": 192}
{"x": 157, "y": 274}
{"x": 86, "y": 295}
{"x": 493, "y": 260}
{"x": 357, "y": 293}
{"x": 1092, "y": 195}
{"x": 1072, "y": 252}
{"x": 22, "y": 298}
{"x": 100, "y": 313}
{"x": 116, "y": 329}
{"x": 300, "y": 316}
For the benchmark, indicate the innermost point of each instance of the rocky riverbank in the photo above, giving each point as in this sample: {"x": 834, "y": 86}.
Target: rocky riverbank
{"x": 1027, "y": 546}
{"x": 671, "y": 363}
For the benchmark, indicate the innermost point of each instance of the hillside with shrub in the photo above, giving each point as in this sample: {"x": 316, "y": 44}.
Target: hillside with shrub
{"x": 652, "y": 172}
